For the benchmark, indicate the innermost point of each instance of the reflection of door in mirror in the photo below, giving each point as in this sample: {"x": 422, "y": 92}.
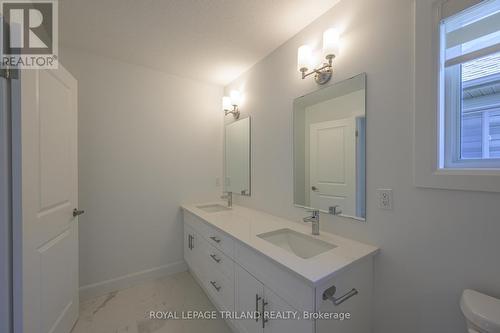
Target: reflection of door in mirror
{"x": 333, "y": 164}
{"x": 336, "y": 163}
{"x": 237, "y": 157}
{"x": 329, "y": 148}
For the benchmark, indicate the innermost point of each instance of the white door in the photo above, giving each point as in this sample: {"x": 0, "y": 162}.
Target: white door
{"x": 249, "y": 293}
{"x": 48, "y": 125}
{"x": 333, "y": 165}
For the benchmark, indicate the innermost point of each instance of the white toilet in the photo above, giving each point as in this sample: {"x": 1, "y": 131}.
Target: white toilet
{"x": 482, "y": 312}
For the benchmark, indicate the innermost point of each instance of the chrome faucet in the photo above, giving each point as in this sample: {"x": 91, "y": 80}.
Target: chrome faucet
{"x": 229, "y": 197}
{"x": 314, "y": 219}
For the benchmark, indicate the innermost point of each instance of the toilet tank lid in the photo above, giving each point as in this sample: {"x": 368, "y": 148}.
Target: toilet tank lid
{"x": 481, "y": 310}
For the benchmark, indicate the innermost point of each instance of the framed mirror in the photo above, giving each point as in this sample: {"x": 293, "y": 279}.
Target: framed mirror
{"x": 329, "y": 144}
{"x": 237, "y": 157}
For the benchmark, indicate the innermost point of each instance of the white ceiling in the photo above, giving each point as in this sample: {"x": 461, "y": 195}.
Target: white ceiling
{"x": 208, "y": 40}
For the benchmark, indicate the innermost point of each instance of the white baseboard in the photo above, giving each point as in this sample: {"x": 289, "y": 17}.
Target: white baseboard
{"x": 126, "y": 281}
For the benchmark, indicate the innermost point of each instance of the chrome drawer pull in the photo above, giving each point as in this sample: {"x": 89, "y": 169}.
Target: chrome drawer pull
{"x": 215, "y": 239}
{"x": 214, "y": 284}
{"x": 329, "y": 294}
{"x": 214, "y": 257}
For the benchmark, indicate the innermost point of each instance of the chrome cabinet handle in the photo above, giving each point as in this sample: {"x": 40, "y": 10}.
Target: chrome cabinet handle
{"x": 329, "y": 294}
{"x": 264, "y": 320}
{"x": 191, "y": 242}
{"x": 215, "y": 239}
{"x": 77, "y": 212}
{"x": 214, "y": 284}
{"x": 214, "y": 257}
{"x": 257, "y": 299}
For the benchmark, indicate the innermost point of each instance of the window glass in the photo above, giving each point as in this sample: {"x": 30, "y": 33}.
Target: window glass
{"x": 480, "y": 111}
{"x": 470, "y": 60}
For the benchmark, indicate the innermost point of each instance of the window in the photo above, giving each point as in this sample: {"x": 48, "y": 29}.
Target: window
{"x": 470, "y": 88}
{"x": 455, "y": 95}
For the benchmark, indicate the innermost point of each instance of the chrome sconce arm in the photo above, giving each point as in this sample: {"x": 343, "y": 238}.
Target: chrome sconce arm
{"x": 235, "y": 112}
{"x": 322, "y": 74}
{"x": 232, "y": 102}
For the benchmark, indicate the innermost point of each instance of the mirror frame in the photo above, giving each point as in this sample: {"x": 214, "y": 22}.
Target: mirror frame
{"x": 363, "y": 77}
{"x": 249, "y": 193}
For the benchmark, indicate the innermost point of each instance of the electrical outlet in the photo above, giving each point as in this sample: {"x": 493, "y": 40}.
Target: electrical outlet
{"x": 217, "y": 182}
{"x": 385, "y": 198}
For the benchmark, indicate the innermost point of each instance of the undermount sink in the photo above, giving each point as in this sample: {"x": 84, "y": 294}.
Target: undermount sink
{"x": 297, "y": 243}
{"x": 213, "y": 208}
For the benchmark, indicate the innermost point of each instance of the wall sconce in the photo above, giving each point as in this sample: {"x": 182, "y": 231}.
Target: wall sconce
{"x": 331, "y": 46}
{"x": 230, "y": 104}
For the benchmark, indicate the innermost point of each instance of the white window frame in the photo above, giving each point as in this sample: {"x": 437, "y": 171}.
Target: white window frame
{"x": 427, "y": 102}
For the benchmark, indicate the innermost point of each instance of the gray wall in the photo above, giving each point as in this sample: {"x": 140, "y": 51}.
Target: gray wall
{"x": 148, "y": 142}
{"x": 434, "y": 243}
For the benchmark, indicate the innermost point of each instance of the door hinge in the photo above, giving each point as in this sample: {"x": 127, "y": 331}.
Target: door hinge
{"x": 8, "y": 73}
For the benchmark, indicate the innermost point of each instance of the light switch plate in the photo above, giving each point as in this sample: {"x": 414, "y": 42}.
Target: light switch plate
{"x": 384, "y": 198}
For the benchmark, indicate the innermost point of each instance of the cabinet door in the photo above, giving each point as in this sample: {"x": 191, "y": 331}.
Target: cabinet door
{"x": 248, "y": 298}
{"x": 192, "y": 250}
{"x": 276, "y": 305}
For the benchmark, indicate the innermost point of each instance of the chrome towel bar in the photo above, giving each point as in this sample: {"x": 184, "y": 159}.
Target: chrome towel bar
{"x": 329, "y": 294}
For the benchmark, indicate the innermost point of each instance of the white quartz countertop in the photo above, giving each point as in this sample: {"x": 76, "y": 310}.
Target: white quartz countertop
{"x": 244, "y": 224}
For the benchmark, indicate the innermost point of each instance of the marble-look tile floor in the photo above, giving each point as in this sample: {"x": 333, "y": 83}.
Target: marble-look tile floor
{"x": 128, "y": 310}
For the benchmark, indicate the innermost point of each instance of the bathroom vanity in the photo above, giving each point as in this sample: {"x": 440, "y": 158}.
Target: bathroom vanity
{"x": 251, "y": 262}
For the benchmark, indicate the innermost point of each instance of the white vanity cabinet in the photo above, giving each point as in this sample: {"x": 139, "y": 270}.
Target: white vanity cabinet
{"x": 238, "y": 278}
{"x": 213, "y": 269}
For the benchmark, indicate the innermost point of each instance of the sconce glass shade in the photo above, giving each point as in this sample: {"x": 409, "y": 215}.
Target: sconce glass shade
{"x": 235, "y": 97}
{"x": 304, "y": 56}
{"x": 331, "y": 43}
{"x": 226, "y": 103}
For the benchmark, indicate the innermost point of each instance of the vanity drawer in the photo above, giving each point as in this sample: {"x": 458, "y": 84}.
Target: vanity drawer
{"x": 284, "y": 283}
{"x": 213, "y": 236}
{"x": 221, "y": 288}
{"x": 218, "y": 261}
{"x": 220, "y": 241}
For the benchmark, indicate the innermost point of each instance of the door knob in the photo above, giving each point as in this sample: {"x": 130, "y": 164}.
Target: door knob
{"x": 314, "y": 188}
{"x": 77, "y": 212}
